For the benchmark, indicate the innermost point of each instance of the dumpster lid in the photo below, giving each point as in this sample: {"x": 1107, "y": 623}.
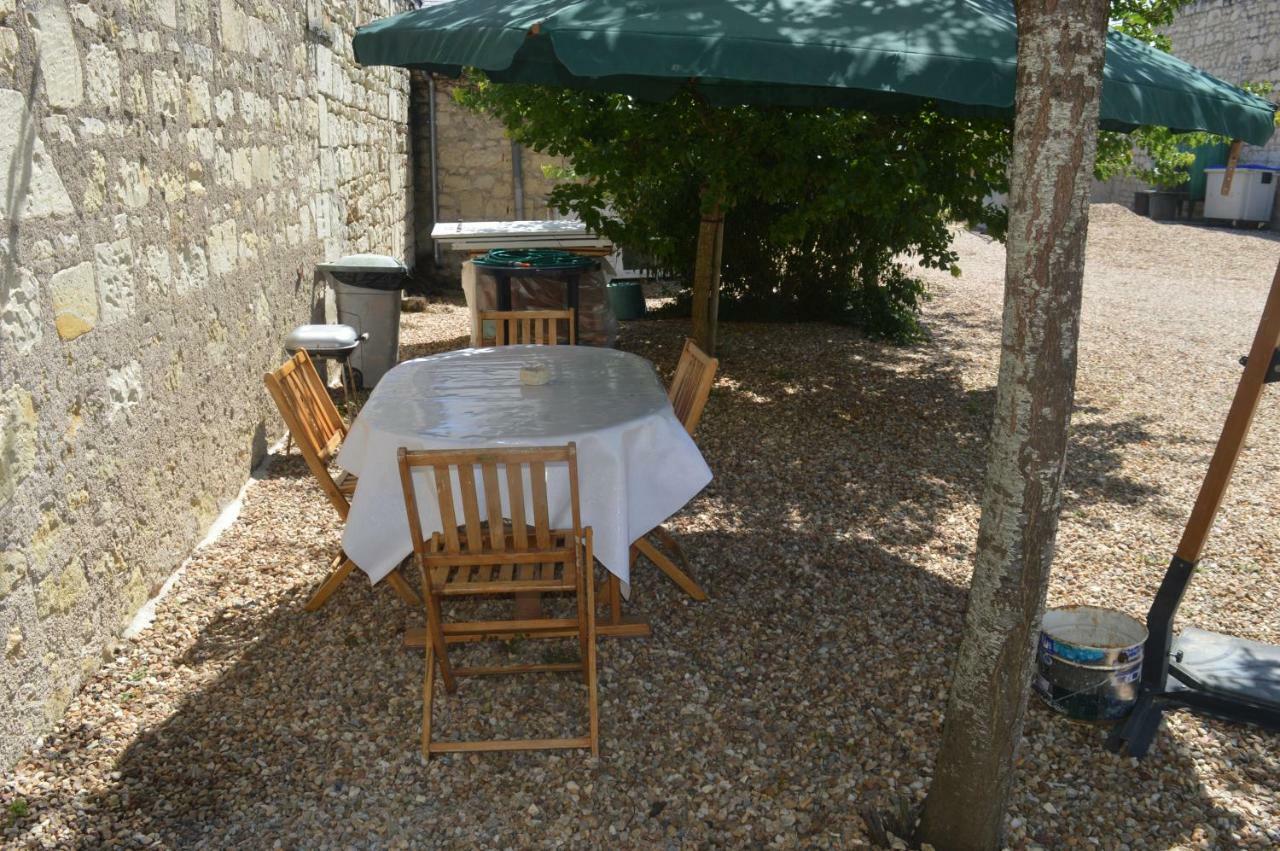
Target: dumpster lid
{"x": 363, "y": 263}
{"x": 1244, "y": 167}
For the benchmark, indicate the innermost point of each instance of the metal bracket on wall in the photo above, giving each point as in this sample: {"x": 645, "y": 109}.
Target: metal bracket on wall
{"x": 1273, "y": 371}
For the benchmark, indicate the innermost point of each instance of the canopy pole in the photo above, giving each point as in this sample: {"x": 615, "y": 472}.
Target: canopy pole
{"x": 706, "y": 278}
{"x": 1233, "y": 157}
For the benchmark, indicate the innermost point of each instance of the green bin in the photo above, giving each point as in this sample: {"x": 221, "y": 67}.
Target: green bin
{"x": 626, "y": 298}
{"x": 1207, "y": 156}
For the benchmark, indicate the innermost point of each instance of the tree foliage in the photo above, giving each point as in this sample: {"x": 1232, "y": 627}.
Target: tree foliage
{"x": 822, "y": 206}
{"x": 1143, "y": 19}
{"x": 1154, "y": 155}
{"x": 826, "y": 210}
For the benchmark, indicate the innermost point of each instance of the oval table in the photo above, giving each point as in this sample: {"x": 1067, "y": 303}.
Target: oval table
{"x": 637, "y": 464}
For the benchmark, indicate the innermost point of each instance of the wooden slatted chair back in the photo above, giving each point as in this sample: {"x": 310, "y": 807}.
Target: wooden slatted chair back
{"x": 478, "y": 534}
{"x": 691, "y": 384}
{"x": 312, "y": 419}
{"x": 486, "y": 549}
{"x": 529, "y": 327}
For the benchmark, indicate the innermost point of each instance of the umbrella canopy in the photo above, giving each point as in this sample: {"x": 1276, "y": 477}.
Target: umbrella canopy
{"x": 863, "y": 54}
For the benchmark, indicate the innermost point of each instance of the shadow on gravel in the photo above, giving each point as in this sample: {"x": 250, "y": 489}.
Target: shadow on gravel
{"x": 435, "y": 347}
{"x": 813, "y": 680}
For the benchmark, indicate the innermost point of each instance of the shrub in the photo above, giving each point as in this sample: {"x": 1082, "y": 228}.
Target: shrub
{"x": 824, "y": 209}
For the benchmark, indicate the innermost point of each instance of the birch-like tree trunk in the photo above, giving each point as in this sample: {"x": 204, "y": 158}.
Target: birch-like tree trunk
{"x": 1059, "y": 86}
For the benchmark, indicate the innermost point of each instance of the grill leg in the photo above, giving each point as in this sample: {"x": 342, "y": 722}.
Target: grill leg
{"x": 348, "y": 384}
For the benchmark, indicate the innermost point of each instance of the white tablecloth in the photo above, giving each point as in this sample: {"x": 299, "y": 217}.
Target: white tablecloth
{"x": 636, "y": 464}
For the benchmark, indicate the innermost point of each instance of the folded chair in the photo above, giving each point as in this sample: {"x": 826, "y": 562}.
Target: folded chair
{"x": 314, "y": 424}
{"x": 481, "y": 553}
{"x": 689, "y": 390}
{"x": 537, "y": 327}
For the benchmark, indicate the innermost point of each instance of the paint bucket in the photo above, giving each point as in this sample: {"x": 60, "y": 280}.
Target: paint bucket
{"x": 1089, "y": 662}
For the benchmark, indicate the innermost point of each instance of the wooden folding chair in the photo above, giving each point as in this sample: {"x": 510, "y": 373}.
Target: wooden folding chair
{"x": 689, "y": 390}
{"x": 537, "y": 327}
{"x": 314, "y": 424}
{"x": 480, "y": 553}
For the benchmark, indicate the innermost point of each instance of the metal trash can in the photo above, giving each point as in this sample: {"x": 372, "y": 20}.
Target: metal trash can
{"x": 1166, "y": 204}
{"x": 626, "y": 297}
{"x": 367, "y": 287}
{"x": 1142, "y": 202}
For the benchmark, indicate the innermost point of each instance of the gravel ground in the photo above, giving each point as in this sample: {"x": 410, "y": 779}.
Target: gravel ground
{"x": 836, "y": 543}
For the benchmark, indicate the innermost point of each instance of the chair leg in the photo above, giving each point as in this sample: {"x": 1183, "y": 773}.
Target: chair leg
{"x": 435, "y": 631}
{"x": 593, "y": 706}
{"x": 403, "y": 590}
{"x": 584, "y": 600}
{"x": 428, "y": 682}
{"x": 338, "y": 572}
{"x": 593, "y": 701}
{"x": 669, "y": 567}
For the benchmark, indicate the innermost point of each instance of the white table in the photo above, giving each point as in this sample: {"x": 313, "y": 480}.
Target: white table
{"x": 637, "y": 465}
{"x": 481, "y": 236}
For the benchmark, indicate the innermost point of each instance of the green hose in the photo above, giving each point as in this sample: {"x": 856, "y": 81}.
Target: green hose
{"x": 534, "y": 258}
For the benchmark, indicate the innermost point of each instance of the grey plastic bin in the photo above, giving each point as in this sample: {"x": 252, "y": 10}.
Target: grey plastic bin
{"x": 367, "y": 288}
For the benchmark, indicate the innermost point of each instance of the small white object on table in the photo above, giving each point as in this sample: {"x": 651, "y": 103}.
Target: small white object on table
{"x": 637, "y": 465}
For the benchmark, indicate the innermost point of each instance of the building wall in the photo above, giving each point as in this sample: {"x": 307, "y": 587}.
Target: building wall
{"x": 475, "y": 171}
{"x": 170, "y": 170}
{"x": 1237, "y": 40}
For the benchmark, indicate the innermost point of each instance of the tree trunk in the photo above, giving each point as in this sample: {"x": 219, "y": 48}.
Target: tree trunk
{"x": 1059, "y": 85}
{"x": 706, "y": 279}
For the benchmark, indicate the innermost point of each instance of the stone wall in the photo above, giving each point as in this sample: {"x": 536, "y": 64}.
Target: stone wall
{"x": 170, "y": 171}
{"x": 1235, "y": 40}
{"x": 1239, "y": 41}
{"x": 475, "y": 171}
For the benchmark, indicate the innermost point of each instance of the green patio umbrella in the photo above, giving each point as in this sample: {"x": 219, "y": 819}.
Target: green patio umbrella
{"x": 865, "y": 54}
{"x": 876, "y": 55}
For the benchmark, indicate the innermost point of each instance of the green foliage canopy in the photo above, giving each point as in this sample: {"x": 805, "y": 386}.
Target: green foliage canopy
{"x": 824, "y": 208}
{"x": 1164, "y": 158}
{"x": 821, "y": 205}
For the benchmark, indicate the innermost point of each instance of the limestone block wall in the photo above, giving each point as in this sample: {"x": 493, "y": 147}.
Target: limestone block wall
{"x": 1237, "y": 40}
{"x": 170, "y": 171}
{"x": 475, "y": 170}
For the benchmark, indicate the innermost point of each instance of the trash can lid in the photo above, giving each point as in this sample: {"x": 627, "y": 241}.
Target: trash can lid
{"x": 534, "y": 258}
{"x": 363, "y": 263}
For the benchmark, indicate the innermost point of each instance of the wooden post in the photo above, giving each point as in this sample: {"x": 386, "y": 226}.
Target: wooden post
{"x": 706, "y": 279}
{"x": 1233, "y": 157}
